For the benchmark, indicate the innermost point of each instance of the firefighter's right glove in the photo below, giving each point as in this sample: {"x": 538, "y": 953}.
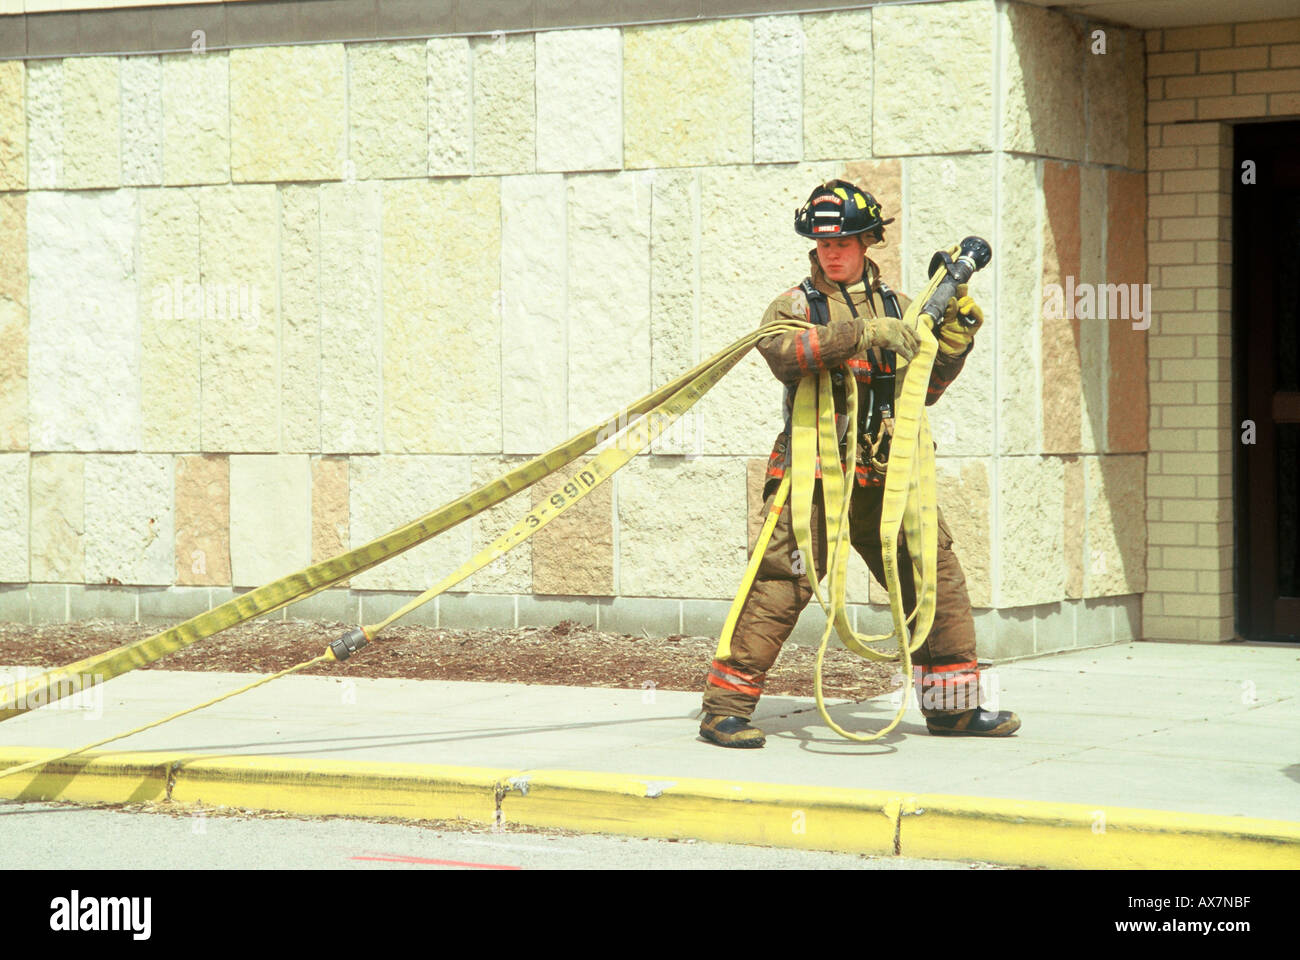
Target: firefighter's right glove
{"x": 889, "y": 333}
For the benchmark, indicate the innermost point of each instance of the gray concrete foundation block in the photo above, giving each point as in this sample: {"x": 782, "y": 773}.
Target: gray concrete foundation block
{"x": 341, "y": 606}
{"x": 102, "y": 602}
{"x": 172, "y": 604}
{"x": 704, "y": 618}
{"x": 477, "y": 611}
{"x": 1054, "y": 626}
{"x": 549, "y": 611}
{"x": 1128, "y": 618}
{"x": 14, "y": 605}
{"x": 656, "y": 616}
{"x": 49, "y": 602}
{"x": 1095, "y": 621}
{"x": 375, "y": 606}
{"x": 219, "y": 595}
{"x": 1013, "y": 634}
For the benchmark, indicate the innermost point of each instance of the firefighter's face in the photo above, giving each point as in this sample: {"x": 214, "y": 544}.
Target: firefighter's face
{"x": 841, "y": 257}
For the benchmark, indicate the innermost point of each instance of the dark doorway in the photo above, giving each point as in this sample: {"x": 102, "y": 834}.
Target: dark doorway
{"x": 1266, "y": 380}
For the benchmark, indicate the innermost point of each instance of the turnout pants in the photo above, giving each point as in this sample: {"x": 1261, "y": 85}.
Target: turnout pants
{"x": 946, "y": 672}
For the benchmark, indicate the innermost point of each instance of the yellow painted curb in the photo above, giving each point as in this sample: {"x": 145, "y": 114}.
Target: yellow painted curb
{"x": 88, "y": 778}
{"x": 775, "y": 815}
{"x": 1096, "y": 837}
{"x": 415, "y": 791}
{"x": 873, "y": 822}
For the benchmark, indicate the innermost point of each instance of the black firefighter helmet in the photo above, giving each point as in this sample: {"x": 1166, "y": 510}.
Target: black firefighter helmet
{"x": 837, "y": 208}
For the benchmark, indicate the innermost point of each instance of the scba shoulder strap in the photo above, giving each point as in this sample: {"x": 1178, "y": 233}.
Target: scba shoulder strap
{"x": 819, "y": 309}
{"x": 890, "y": 298}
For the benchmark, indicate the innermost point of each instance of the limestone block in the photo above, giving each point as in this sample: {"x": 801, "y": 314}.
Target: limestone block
{"x": 58, "y": 517}
{"x": 688, "y": 95}
{"x": 950, "y": 45}
{"x": 386, "y": 109}
{"x": 171, "y": 312}
{"x": 962, "y": 420}
{"x": 505, "y": 121}
{"x": 442, "y": 333}
{"x": 532, "y": 307}
{"x": 1017, "y": 320}
{"x": 1030, "y": 555}
{"x": 681, "y": 528}
{"x": 674, "y": 292}
{"x": 579, "y": 100}
{"x": 1116, "y": 97}
{"x": 13, "y": 125}
{"x": 1043, "y": 58}
{"x": 1062, "y": 333}
{"x": 512, "y": 572}
{"x": 1117, "y": 532}
{"x": 14, "y": 518}
{"x": 573, "y": 555}
{"x": 129, "y": 519}
{"x": 609, "y": 294}
{"x": 287, "y": 113}
{"x": 1126, "y": 263}
{"x": 329, "y": 507}
{"x": 1075, "y": 526}
{"x": 1092, "y": 335}
{"x": 883, "y": 179}
{"x": 837, "y": 113}
{"x": 778, "y": 90}
{"x": 92, "y": 122}
{"x": 270, "y": 517}
{"x": 203, "y": 521}
{"x": 83, "y": 351}
{"x": 742, "y": 414}
{"x": 450, "y": 107}
{"x": 390, "y": 491}
{"x": 142, "y": 121}
{"x": 45, "y": 124}
{"x": 300, "y": 311}
{"x": 196, "y": 118}
{"x": 13, "y": 321}
{"x": 964, "y": 497}
{"x": 239, "y": 355}
{"x": 351, "y": 328}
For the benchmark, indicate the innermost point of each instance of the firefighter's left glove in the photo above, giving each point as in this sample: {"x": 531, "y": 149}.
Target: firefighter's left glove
{"x": 961, "y": 319}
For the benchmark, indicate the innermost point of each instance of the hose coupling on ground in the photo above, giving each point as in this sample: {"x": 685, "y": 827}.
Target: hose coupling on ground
{"x": 349, "y": 643}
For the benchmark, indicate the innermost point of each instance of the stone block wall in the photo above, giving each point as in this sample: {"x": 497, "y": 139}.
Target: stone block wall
{"x": 262, "y": 304}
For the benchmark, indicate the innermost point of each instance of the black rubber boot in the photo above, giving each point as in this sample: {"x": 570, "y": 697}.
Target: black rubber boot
{"x": 974, "y": 723}
{"x": 731, "y": 731}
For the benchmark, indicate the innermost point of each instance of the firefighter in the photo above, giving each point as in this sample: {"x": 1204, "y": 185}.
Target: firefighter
{"x": 859, "y": 333}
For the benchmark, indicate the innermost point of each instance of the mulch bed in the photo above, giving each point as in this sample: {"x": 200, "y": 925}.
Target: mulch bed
{"x": 568, "y": 654}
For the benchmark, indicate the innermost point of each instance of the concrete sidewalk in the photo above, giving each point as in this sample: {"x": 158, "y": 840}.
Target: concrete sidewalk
{"x": 1109, "y": 733}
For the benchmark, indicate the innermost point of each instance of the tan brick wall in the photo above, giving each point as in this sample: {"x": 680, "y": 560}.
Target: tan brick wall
{"x": 1200, "y": 78}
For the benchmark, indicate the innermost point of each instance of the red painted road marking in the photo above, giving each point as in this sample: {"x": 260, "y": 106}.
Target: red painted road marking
{"x": 402, "y": 858}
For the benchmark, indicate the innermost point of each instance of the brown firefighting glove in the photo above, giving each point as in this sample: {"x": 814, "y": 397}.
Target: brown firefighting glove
{"x": 889, "y": 333}
{"x": 954, "y": 335}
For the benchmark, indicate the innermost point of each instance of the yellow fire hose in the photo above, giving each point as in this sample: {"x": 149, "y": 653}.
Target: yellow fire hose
{"x": 642, "y": 429}
{"x": 909, "y": 500}
{"x": 18, "y": 698}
